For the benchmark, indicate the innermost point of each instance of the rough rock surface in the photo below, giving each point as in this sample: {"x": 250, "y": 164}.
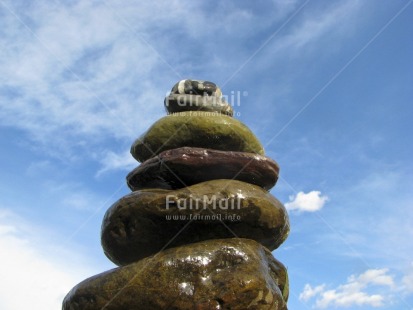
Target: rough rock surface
{"x": 177, "y": 168}
{"x": 142, "y": 223}
{"x": 217, "y": 274}
{"x": 195, "y": 129}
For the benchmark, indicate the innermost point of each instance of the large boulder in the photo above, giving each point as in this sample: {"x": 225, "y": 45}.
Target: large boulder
{"x": 216, "y": 274}
{"x": 144, "y": 222}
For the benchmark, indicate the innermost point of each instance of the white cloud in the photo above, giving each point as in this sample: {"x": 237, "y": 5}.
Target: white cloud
{"x": 310, "y": 202}
{"x": 81, "y": 200}
{"x": 113, "y": 161}
{"x": 353, "y": 293}
{"x": 312, "y": 28}
{"x": 74, "y": 196}
{"x": 374, "y": 276}
{"x": 347, "y": 299}
{"x": 36, "y": 274}
{"x": 310, "y": 292}
{"x": 321, "y": 23}
{"x": 97, "y": 70}
{"x": 74, "y": 75}
{"x": 407, "y": 280}
{"x": 389, "y": 217}
{"x": 73, "y": 79}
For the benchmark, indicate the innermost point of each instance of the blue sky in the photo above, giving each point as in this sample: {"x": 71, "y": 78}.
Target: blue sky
{"x": 325, "y": 85}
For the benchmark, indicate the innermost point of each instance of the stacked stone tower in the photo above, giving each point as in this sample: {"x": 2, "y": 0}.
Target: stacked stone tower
{"x": 197, "y": 230}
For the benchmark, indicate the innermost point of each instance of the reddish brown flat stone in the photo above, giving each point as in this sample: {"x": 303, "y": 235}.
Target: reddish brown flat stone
{"x": 186, "y": 166}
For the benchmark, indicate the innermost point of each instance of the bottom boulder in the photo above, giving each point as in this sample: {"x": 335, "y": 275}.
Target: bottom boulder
{"x": 214, "y": 274}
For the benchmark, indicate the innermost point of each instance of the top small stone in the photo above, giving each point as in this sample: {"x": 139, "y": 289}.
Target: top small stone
{"x": 196, "y": 87}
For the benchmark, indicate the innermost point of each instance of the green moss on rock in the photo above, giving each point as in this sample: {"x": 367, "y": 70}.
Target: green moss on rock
{"x": 143, "y": 222}
{"x": 217, "y": 274}
{"x": 196, "y": 129}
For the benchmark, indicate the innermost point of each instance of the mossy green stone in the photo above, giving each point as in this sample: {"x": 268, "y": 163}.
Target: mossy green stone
{"x": 237, "y": 274}
{"x": 145, "y": 221}
{"x": 196, "y": 129}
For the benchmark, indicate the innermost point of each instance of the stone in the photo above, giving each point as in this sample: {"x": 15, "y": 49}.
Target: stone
{"x": 196, "y": 129}
{"x": 185, "y": 102}
{"x": 177, "y": 168}
{"x": 144, "y": 222}
{"x": 216, "y": 274}
{"x": 196, "y": 87}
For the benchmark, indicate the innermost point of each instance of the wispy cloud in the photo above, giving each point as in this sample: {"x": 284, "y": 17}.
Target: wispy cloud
{"x": 75, "y": 75}
{"x": 309, "y": 291}
{"x": 32, "y": 265}
{"x": 318, "y": 26}
{"x": 117, "y": 161}
{"x": 306, "y": 202}
{"x": 352, "y": 293}
{"x": 71, "y": 77}
{"x": 407, "y": 280}
{"x": 382, "y": 197}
